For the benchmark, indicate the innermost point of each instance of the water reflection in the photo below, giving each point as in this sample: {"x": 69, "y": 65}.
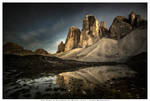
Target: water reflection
{"x": 88, "y": 79}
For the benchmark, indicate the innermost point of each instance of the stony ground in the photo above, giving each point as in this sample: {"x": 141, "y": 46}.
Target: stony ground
{"x": 34, "y": 77}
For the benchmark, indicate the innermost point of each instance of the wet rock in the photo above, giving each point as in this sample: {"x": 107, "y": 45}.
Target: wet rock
{"x": 38, "y": 95}
{"x": 27, "y": 95}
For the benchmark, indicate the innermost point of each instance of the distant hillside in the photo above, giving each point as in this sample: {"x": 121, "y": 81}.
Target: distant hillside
{"x": 15, "y": 49}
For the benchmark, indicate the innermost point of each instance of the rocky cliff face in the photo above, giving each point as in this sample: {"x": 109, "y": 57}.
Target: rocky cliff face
{"x": 103, "y": 29}
{"x": 132, "y": 17}
{"x": 90, "y": 32}
{"x": 73, "y": 38}
{"x": 120, "y": 27}
{"x": 61, "y": 47}
{"x": 136, "y": 20}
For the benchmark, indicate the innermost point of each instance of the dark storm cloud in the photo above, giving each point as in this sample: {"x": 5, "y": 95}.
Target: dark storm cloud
{"x": 45, "y": 25}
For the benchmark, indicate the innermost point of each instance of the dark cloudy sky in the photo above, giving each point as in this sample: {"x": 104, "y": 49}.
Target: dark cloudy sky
{"x": 45, "y": 25}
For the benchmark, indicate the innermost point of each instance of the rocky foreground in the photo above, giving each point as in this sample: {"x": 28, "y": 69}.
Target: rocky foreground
{"x": 38, "y": 76}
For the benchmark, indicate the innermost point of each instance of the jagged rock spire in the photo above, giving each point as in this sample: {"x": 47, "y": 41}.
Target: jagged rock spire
{"x": 61, "y": 47}
{"x": 103, "y": 29}
{"x": 73, "y": 38}
{"x": 120, "y": 27}
{"x": 90, "y": 31}
{"x": 132, "y": 17}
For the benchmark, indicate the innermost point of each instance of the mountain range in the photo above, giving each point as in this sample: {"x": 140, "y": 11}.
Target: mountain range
{"x": 95, "y": 42}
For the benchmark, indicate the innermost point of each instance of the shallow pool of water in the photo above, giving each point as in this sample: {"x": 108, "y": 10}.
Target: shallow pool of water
{"x": 33, "y": 88}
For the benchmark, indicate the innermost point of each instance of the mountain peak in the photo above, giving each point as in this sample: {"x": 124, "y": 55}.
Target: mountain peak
{"x": 103, "y": 24}
{"x": 73, "y": 27}
{"x": 73, "y": 38}
{"x": 90, "y": 31}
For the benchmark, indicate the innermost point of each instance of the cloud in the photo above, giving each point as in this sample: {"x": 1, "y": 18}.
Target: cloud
{"x": 58, "y": 25}
{"x": 30, "y": 35}
{"x": 35, "y": 45}
{"x": 46, "y": 37}
{"x": 42, "y": 38}
{"x": 42, "y": 30}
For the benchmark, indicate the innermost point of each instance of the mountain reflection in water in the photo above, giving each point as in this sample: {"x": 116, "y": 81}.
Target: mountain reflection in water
{"x": 80, "y": 82}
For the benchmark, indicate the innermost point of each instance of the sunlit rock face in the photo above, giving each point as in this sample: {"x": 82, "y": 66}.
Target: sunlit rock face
{"x": 103, "y": 29}
{"x": 61, "y": 47}
{"x": 126, "y": 37}
{"x": 90, "y": 32}
{"x": 120, "y": 27}
{"x": 73, "y": 38}
{"x": 109, "y": 50}
{"x": 87, "y": 79}
{"x": 132, "y": 17}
